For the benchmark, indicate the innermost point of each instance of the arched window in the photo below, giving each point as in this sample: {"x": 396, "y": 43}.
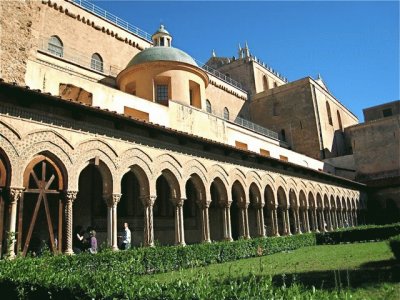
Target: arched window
{"x": 328, "y": 111}
{"x": 97, "y": 62}
{"x": 283, "y": 135}
{"x": 275, "y": 84}
{"x": 339, "y": 120}
{"x": 55, "y": 46}
{"x": 265, "y": 83}
{"x": 226, "y": 114}
{"x": 208, "y": 106}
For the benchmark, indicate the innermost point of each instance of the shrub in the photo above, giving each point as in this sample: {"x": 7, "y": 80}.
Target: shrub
{"x": 394, "y": 244}
{"x": 359, "y": 234}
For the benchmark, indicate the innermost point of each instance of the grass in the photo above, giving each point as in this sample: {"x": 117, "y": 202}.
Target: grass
{"x": 367, "y": 270}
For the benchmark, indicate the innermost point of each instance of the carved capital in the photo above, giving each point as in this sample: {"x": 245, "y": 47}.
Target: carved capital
{"x": 70, "y": 196}
{"x": 115, "y": 198}
{"x": 243, "y": 205}
{"x": 204, "y": 204}
{"x": 15, "y": 194}
{"x": 148, "y": 201}
{"x": 178, "y": 202}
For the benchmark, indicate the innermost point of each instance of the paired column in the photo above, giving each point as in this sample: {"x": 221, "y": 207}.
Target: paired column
{"x": 244, "y": 219}
{"x": 15, "y": 196}
{"x": 297, "y": 213}
{"x": 148, "y": 203}
{"x": 316, "y": 225}
{"x": 205, "y": 221}
{"x": 112, "y": 202}
{"x": 179, "y": 227}
{"x": 330, "y": 220}
{"x": 226, "y": 219}
{"x": 70, "y": 197}
{"x": 274, "y": 221}
{"x": 307, "y": 222}
{"x": 260, "y": 220}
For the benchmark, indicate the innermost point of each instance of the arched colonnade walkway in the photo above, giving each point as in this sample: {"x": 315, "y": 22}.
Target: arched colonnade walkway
{"x": 47, "y": 191}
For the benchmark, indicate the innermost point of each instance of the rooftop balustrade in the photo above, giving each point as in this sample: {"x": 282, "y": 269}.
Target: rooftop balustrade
{"x": 112, "y": 18}
{"x": 256, "y": 128}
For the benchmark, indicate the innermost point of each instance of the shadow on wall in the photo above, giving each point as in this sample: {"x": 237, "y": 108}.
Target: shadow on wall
{"x": 385, "y": 211}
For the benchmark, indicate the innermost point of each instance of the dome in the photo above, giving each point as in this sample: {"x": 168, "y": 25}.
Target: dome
{"x": 161, "y": 54}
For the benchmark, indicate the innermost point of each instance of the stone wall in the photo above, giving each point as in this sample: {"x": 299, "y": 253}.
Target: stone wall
{"x": 376, "y": 147}
{"x": 298, "y": 112}
{"x": 16, "y": 41}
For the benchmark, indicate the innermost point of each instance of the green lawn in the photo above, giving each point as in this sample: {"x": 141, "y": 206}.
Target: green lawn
{"x": 368, "y": 270}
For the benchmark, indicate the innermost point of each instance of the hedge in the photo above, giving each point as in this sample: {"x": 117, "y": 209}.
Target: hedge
{"x": 359, "y": 234}
{"x": 106, "y": 273}
{"x": 394, "y": 244}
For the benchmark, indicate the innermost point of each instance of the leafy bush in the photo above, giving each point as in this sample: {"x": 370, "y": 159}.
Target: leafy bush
{"x": 359, "y": 234}
{"x": 394, "y": 244}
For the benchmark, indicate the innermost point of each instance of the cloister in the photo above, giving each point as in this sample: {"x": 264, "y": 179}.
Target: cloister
{"x": 170, "y": 187}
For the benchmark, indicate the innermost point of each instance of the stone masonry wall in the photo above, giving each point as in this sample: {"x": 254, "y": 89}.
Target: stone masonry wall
{"x": 16, "y": 19}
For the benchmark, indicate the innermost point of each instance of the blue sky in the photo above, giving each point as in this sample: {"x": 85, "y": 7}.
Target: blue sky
{"x": 353, "y": 45}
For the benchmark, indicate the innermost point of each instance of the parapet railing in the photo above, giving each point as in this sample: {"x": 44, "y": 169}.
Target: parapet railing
{"x": 112, "y": 18}
{"x": 76, "y": 57}
{"x": 219, "y": 75}
{"x": 256, "y": 128}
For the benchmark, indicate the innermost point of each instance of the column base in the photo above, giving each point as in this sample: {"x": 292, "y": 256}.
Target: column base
{"x": 180, "y": 244}
{"x": 206, "y": 241}
{"x": 228, "y": 239}
{"x": 69, "y": 252}
{"x": 115, "y": 248}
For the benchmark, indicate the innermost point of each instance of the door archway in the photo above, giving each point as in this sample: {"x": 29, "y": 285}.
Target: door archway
{"x": 40, "y": 219}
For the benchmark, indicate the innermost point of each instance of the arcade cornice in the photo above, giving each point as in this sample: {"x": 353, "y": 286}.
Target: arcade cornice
{"x": 11, "y": 93}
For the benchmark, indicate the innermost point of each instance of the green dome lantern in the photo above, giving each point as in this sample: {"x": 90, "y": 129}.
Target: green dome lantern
{"x": 162, "y": 51}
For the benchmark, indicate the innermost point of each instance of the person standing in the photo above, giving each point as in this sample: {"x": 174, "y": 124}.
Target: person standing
{"x": 126, "y": 238}
{"x": 92, "y": 242}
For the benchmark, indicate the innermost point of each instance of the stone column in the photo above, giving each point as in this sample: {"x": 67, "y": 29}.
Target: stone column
{"x": 244, "y": 219}
{"x": 179, "y": 226}
{"x": 298, "y": 221}
{"x": 274, "y": 215}
{"x": 226, "y": 219}
{"x": 15, "y": 196}
{"x": 108, "y": 200}
{"x": 288, "y": 222}
{"x": 323, "y": 221}
{"x": 330, "y": 220}
{"x": 284, "y": 224}
{"x": 205, "y": 221}
{"x": 70, "y": 197}
{"x": 336, "y": 219}
{"x": 260, "y": 220}
{"x": 115, "y": 200}
{"x": 148, "y": 203}
{"x": 316, "y": 225}
{"x": 307, "y": 221}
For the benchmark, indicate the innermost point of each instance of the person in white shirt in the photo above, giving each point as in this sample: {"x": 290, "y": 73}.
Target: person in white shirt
{"x": 126, "y": 238}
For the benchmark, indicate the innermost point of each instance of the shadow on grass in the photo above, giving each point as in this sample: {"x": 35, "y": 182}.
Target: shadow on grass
{"x": 367, "y": 274}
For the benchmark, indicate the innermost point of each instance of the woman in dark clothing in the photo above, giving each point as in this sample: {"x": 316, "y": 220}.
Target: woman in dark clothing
{"x": 78, "y": 244}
